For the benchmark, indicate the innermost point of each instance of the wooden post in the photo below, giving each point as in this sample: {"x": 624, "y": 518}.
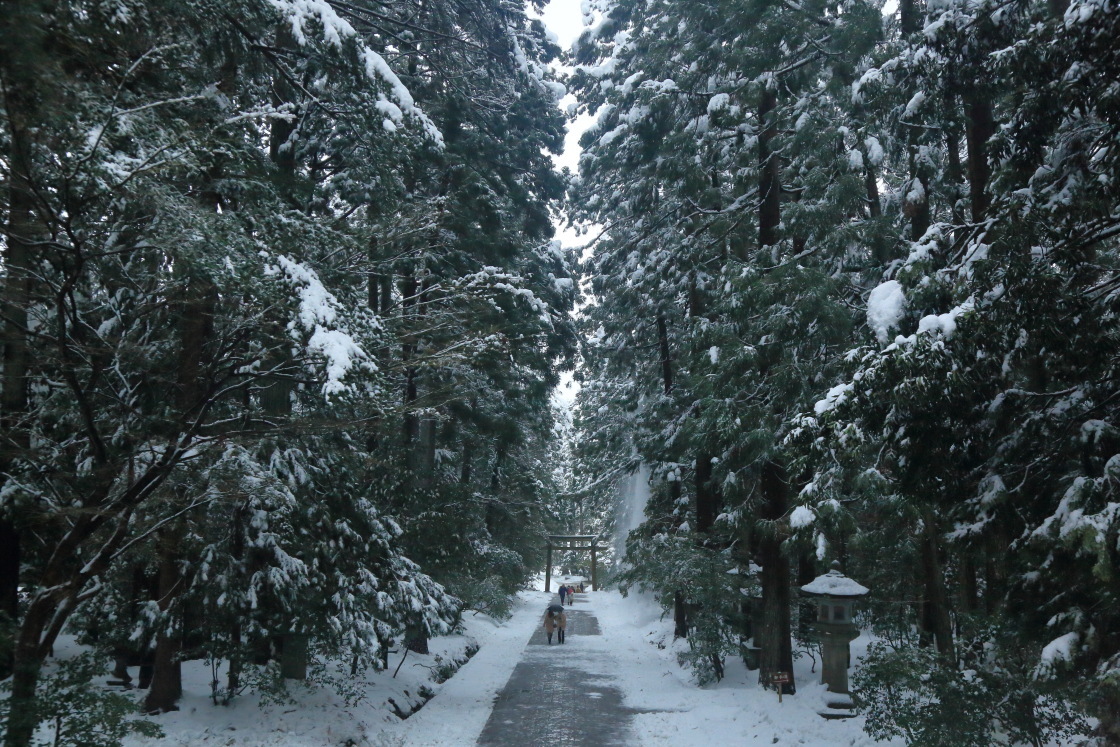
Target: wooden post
{"x": 594, "y": 576}
{"x": 781, "y": 679}
{"x": 548, "y": 568}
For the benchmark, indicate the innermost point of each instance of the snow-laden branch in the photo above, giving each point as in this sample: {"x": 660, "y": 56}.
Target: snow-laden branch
{"x": 319, "y": 316}
{"x": 336, "y": 29}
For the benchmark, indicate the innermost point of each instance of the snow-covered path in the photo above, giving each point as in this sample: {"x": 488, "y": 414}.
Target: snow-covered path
{"x": 622, "y": 686}
{"x": 561, "y": 694}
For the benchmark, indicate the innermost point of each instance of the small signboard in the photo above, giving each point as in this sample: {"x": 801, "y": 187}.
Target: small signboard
{"x": 779, "y": 679}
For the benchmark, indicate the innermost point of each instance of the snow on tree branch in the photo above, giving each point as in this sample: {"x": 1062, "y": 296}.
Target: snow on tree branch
{"x": 319, "y": 315}
{"x": 336, "y": 30}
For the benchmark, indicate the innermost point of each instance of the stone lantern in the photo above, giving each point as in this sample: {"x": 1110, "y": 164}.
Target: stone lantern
{"x": 835, "y": 594}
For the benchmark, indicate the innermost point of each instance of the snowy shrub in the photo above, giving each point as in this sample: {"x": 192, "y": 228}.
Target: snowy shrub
{"x": 908, "y": 693}
{"x": 710, "y": 641}
{"x": 911, "y": 693}
{"x": 678, "y": 571}
{"x": 488, "y": 595}
{"x": 337, "y": 677}
{"x": 75, "y": 712}
{"x": 265, "y": 680}
{"x": 445, "y": 669}
{"x": 807, "y": 641}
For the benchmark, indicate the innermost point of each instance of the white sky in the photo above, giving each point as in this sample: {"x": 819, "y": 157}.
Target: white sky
{"x": 565, "y": 19}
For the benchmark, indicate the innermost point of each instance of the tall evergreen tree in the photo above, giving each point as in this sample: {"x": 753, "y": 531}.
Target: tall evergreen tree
{"x": 982, "y": 407}
{"x": 718, "y": 302}
{"x": 197, "y": 188}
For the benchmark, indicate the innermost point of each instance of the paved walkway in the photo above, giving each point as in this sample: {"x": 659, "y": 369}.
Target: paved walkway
{"x": 560, "y": 694}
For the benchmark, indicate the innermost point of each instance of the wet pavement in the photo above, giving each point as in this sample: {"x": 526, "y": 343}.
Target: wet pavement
{"x": 559, "y": 695}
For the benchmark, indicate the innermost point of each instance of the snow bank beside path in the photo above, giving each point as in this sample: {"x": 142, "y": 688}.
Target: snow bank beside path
{"x": 320, "y": 717}
{"x": 736, "y": 711}
{"x": 458, "y": 714}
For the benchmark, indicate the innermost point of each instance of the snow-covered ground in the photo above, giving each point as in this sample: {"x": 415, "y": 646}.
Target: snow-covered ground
{"x": 636, "y": 645}
{"x": 321, "y": 717}
{"x": 636, "y": 653}
{"x": 736, "y": 711}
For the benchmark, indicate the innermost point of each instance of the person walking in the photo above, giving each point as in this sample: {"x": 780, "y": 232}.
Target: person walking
{"x": 563, "y": 593}
{"x": 555, "y": 621}
{"x": 571, "y": 595}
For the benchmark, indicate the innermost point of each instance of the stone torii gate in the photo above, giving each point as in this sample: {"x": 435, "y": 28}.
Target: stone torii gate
{"x": 572, "y": 542}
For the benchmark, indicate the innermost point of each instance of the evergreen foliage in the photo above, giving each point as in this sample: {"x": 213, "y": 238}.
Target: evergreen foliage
{"x": 281, "y": 319}
{"x": 77, "y": 711}
{"x": 853, "y": 299}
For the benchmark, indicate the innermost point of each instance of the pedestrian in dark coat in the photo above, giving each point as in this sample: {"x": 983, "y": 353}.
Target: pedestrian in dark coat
{"x": 563, "y": 593}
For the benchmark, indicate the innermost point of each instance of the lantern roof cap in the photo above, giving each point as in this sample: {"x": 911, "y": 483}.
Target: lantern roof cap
{"x": 835, "y": 584}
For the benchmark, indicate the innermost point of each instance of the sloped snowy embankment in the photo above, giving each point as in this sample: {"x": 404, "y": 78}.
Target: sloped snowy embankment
{"x": 735, "y": 711}
{"x": 321, "y": 718}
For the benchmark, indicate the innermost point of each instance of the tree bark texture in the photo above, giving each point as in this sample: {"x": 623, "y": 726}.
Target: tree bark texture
{"x": 769, "y": 165}
{"x": 938, "y": 617}
{"x": 909, "y": 17}
{"x": 680, "y": 615}
{"x": 237, "y": 552}
{"x": 665, "y": 356}
{"x": 955, "y": 171}
{"x": 415, "y": 293}
{"x": 707, "y": 498}
{"x": 468, "y": 461}
{"x": 22, "y": 70}
{"x": 969, "y": 593}
{"x": 22, "y": 718}
{"x": 418, "y": 641}
{"x": 680, "y": 609}
{"x": 917, "y": 209}
{"x": 167, "y": 679}
{"x": 21, "y": 231}
{"x": 1108, "y": 711}
{"x": 411, "y": 433}
{"x": 196, "y": 330}
{"x": 281, "y": 143}
{"x": 773, "y": 637}
{"x": 980, "y": 128}
{"x": 871, "y": 184}
{"x": 9, "y": 593}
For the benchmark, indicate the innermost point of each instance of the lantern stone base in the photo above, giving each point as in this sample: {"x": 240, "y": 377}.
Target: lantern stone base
{"x": 835, "y": 657}
{"x": 837, "y": 705}
{"x": 835, "y": 654}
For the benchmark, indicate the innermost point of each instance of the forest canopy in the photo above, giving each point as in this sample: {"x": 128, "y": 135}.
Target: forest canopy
{"x": 281, "y": 317}
{"x": 856, "y": 300}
